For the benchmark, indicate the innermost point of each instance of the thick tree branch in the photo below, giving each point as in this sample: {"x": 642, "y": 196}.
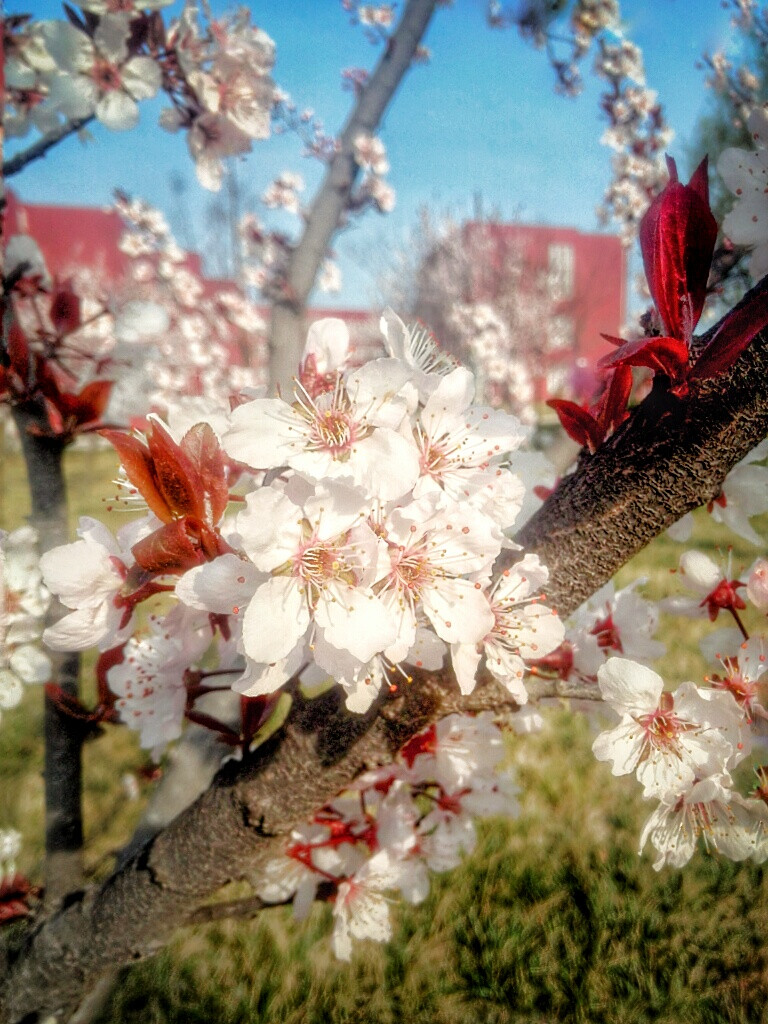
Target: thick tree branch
{"x": 38, "y": 149}
{"x": 332, "y": 200}
{"x": 669, "y": 457}
{"x": 43, "y": 457}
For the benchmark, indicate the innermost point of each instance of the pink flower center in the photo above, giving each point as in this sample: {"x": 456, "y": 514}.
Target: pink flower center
{"x": 105, "y": 75}
{"x": 662, "y": 726}
{"x": 607, "y": 633}
{"x": 411, "y": 570}
{"x": 317, "y": 564}
{"x": 334, "y": 432}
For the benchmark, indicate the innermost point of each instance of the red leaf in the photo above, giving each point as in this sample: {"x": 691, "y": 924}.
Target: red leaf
{"x": 665, "y": 355}
{"x": 612, "y": 405}
{"x": 579, "y": 424}
{"x": 677, "y": 238}
{"x": 139, "y": 468}
{"x": 734, "y": 334}
{"x": 174, "y": 473}
{"x": 173, "y": 548}
{"x": 203, "y": 448}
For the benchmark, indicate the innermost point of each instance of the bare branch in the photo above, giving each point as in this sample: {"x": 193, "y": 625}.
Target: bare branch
{"x": 38, "y": 149}
{"x": 332, "y": 200}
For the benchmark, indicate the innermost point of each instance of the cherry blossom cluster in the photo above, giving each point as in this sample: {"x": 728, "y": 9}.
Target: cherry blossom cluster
{"x": 491, "y": 344}
{"x": 101, "y": 62}
{"x": 23, "y": 604}
{"x": 737, "y": 82}
{"x": 637, "y": 132}
{"x": 746, "y": 175}
{"x": 176, "y": 335}
{"x": 684, "y": 746}
{"x": 392, "y": 827}
{"x": 373, "y": 508}
{"x": 371, "y": 157}
{"x": 611, "y": 622}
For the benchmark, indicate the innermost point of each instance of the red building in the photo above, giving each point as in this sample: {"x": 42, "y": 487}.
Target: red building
{"x": 585, "y": 277}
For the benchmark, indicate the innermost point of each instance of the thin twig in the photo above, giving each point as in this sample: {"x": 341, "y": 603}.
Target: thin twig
{"x": 38, "y": 149}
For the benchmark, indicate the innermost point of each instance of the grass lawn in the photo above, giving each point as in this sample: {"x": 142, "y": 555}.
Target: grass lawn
{"x": 553, "y": 918}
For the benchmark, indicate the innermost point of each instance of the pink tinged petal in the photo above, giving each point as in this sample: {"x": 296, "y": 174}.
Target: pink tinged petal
{"x": 30, "y": 664}
{"x": 448, "y": 403}
{"x": 79, "y": 630}
{"x": 385, "y": 464}
{"x": 117, "y": 111}
{"x": 629, "y": 688}
{"x": 465, "y": 658}
{"x": 700, "y": 573}
{"x": 334, "y": 508}
{"x": 142, "y": 77}
{"x": 265, "y": 433}
{"x": 458, "y": 611}
{"x": 328, "y": 342}
{"x": 276, "y": 620}
{"x": 111, "y": 38}
{"x": 621, "y": 746}
{"x": 509, "y": 669}
{"x": 539, "y": 631}
{"x": 356, "y": 621}
{"x": 223, "y": 586}
{"x": 258, "y": 680}
{"x": 671, "y": 834}
{"x": 269, "y": 527}
{"x": 82, "y": 574}
{"x": 427, "y": 652}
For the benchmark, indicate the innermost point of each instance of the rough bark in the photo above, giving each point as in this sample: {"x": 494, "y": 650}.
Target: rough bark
{"x": 332, "y": 201}
{"x": 670, "y": 456}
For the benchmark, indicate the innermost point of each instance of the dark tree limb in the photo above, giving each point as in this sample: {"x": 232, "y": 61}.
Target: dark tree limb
{"x": 39, "y": 149}
{"x": 669, "y": 457}
{"x": 43, "y": 457}
{"x": 332, "y": 201}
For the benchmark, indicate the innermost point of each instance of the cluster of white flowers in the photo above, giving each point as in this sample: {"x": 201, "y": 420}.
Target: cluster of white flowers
{"x": 392, "y": 827}
{"x": 683, "y": 746}
{"x": 23, "y": 604}
{"x": 102, "y": 64}
{"x": 746, "y": 175}
{"x": 637, "y": 132}
{"x": 369, "y": 548}
{"x": 736, "y": 81}
{"x": 491, "y": 344}
{"x": 371, "y": 156}
{"x": 174, "y": 334}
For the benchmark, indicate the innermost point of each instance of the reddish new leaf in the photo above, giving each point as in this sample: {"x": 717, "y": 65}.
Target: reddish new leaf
{"x": 174, "y": 548}
{"x": 175, "y": 473}
{"x": 612, "y": 406}
{"x": 677, "y": 238}
{"x": 202, "y": 446}
{"x": 139, "y": 468}
{"x": 665, "y": 355}
{"x": 734, "y": 334}
{"x": 579, "y": 424}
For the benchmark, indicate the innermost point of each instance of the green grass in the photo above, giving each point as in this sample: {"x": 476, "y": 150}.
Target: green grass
{"x": 553, "y": 918}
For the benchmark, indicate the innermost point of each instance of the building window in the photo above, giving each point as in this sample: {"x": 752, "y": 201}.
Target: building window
{"x": 560, "y": 334}
{"x": 561, "y": 271}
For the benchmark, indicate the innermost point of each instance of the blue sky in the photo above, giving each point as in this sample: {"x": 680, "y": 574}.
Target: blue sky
{"x": 481, "y": 118}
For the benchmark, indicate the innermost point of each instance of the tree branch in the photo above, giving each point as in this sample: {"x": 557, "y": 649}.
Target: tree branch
{"x": 43, "y": 457}
{"x": 670, "y": 456}
{"x": 38, "y": 149}
{"x": 332, "y": 200}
